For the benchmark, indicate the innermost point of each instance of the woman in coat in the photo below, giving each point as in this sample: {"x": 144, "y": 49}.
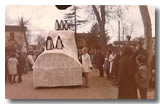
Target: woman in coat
{"x": 86, "y": 64}
{"x": 127, "y": 83}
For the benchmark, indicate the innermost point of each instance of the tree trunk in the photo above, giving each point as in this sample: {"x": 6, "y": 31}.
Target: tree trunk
{"x": 101, "y": 21}
{"x": 147, "y": 31}
{"x": 25, "y": 37}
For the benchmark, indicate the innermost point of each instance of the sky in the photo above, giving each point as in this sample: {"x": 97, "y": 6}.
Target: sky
{"x": 42, "y": 19}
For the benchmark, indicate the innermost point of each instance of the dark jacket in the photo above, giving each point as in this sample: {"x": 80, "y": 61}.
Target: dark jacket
{"x": 21, "y": 63}
{"x": 142, "y": 51}
{"x": 127, "y": 84}
{"x": 142, "y": 77}
{"x": 99, "y": 60}
{"x": 106, "y": 64}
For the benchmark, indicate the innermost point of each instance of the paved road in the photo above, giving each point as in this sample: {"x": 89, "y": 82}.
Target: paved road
{"x": 100, "y": 88}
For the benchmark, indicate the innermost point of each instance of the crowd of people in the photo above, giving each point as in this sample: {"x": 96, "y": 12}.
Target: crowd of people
{"x": 126, "y": 67}
{"x": 17, "y": 64}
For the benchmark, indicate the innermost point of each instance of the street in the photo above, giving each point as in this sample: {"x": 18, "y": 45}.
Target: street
{"x": 99, "y": 88}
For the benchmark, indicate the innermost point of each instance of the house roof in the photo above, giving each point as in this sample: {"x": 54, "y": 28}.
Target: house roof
{"x": 9, "y": 28}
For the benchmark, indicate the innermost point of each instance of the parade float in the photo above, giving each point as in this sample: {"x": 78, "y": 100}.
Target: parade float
{"x": 58, "y": 64}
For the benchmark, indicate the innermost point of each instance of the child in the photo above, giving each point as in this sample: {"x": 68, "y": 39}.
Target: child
{"x": 142, "y": 76}
{"x": 12, "y": 68}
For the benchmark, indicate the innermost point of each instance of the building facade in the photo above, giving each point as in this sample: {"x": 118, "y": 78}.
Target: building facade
{"x": 15, "y": 38}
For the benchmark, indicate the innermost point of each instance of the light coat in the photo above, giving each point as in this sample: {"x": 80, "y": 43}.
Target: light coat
{"x": 86, "y": 63}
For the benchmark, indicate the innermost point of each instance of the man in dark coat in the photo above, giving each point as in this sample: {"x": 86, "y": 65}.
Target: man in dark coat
{"x": 133, "y": 58}
{"x": 141, "y": 51}
{"x": 99, "y": 60}
{"x": 21, "y": 64}
{"x": 127, "y": 84}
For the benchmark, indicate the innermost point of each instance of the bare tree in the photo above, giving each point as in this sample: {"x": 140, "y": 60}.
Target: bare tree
{"x": 23, "y": 22}
{"x": 28, "y": 36}
{"x": 100, "y": 16}
{"x": 147, "y": 31}
{"x": 40, "y": 40}
{"x": 104, "y": 14}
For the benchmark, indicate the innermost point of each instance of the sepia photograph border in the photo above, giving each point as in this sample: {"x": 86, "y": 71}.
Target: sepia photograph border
{"x": 156, "y": 100}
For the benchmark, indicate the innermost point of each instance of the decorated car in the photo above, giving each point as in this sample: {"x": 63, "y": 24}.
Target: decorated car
{"x": 58, "y": 65}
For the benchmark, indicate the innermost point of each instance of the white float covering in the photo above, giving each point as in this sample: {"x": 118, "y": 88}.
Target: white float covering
{"x": 58, "y": 67}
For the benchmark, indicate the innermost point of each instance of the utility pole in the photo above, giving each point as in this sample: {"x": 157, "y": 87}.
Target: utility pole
{"x": 119, "y": 32}
{"x": 123, "y": 33}
{"x": 75, "y": 21}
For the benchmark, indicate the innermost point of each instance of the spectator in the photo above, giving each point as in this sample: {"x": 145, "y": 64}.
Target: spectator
{"x": 115, "y": 67}
{"x": 133, "y": 58}
{"x": 92, "y": 55}
{"x": 142, "y": 76}
{"x": 21, "y": 64}
{"x": 30, "y": 60}
{"x": 126, "y": 80}
{"x": 142, "y": 51}
{"x": 99, "y": 61}
{"x": 111, "y": 58}
{"x": 6, "y": 68}
{"x": 12, "y": 68}
{"x": 107, "y": 65}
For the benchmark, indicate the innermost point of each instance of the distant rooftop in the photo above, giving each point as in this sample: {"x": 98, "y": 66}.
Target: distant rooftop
{"x": 14, "y": 28}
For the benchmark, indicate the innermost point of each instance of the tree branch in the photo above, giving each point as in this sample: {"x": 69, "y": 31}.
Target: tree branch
{"x": 97, "y": 14}
{"x": 102, "y": 7}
